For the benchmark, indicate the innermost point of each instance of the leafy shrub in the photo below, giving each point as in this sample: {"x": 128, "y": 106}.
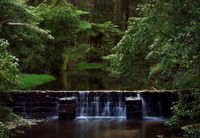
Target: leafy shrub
{"x": 191, "y": 132}
{"x": 8, "y": 117}
{"x": 28, "y": 42}
{"x": 186, "y": 112}
{"x": 62, "y": 21}
{"x": 4, "y": 133}
{"x": 162, "y": 43}
{"x": 8, "y": 67}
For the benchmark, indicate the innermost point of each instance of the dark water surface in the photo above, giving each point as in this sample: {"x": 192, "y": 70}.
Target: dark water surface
{"x": 97, "y": 128}
{"x": 92, "y": 79}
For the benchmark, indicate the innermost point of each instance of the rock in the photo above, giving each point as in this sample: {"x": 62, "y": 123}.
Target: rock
{"x": 67, "y": 108}
{"x": 134, "y": 108}
{"x": 159, "y": 136}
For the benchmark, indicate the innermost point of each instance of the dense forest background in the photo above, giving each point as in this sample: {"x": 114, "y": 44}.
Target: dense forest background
{"x": 155, "y": 40}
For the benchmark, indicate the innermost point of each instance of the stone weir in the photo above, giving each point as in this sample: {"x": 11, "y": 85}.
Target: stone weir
{"x": 77, "y": 104}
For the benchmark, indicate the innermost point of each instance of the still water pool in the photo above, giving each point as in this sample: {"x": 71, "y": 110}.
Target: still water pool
{"x": 97, "y": 128}
{"x": 93, "y": 79}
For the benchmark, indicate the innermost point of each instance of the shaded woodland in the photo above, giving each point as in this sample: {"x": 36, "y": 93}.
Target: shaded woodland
{"x": 155, "y": 43}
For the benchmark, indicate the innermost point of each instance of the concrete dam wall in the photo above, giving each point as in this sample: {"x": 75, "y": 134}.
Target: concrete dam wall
{"x": 81, "y": 104}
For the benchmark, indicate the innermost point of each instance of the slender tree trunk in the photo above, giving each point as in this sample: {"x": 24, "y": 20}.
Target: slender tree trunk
{"x": 116, "y": 7}
{"x": 126, "y": 10}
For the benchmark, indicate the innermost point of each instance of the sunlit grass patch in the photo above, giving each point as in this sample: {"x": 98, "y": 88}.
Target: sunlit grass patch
{"x": 90, "y": 65}
{"x": 32, "y": 80}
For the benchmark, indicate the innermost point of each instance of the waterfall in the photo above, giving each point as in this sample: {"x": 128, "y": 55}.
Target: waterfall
{"x": 106, "y": 110}
{"x": 121, "y": 106}
{"x": 143, "y": 108}
{"x": 82, "y": 105}
{"x": 144, "y": 105}
{"x": 97, "y": 102}
{"x": 100, "y": 106}
{"x": 112, "y": 105}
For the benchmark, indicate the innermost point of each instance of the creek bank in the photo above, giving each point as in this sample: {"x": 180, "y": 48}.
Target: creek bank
{"x": 24, "y": 123}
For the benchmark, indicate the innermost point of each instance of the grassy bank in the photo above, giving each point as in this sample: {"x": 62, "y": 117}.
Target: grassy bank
{"x": 90, "y": 65}
{"x": 32, "y": 80}
{"x": 28, "y": 81}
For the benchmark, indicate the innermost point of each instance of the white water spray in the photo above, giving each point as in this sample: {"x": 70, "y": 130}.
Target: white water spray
{"x": 100, "y": 109}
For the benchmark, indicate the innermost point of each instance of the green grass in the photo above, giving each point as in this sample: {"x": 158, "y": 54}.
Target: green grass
{"x": 90, "y": 65}
{"x": 28, "y": 81}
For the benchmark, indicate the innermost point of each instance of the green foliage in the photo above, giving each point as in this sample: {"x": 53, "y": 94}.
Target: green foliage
{"x": 101, "y": 11}
{"x": 4, "y": 133}
{"x": 62, "y": 21}
{"x": 27, "y": 41}
{"x": 8, "y": 67}
{"x": 187, "y": 111}
{"x": 100, "y": 37}
{"x": 80, "y": 12}
{"x": 187, "y": 80}
{"x": 105, "y": 32}
{"x": 39, "y": 34}
{"x": 74, "y": 55}
{"x": 191, "y": 132}
{"x": 84, "y": 25}
{"x": 131, "y": 50}
{"x": 164, "y": 41}
{"x": 162, "y": 45}
{"x": 175, "y": 45}
{"x": 7, "y": 116}
{"x": 106, "y": 27}
{"x": 130, "y": 53}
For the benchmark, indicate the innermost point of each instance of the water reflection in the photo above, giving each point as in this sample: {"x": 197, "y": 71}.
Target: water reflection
{"x": 96, "y": 128}
{"x": 93, "y": 79}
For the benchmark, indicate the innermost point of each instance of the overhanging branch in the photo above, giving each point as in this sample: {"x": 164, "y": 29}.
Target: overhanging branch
{"x": 12, "y": 23}
{"x": 16, "y": 24}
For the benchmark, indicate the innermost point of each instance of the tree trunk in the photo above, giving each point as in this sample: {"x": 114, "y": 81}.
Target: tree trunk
{"x": 126, "y": 10}
{"x": 116, "y": 7}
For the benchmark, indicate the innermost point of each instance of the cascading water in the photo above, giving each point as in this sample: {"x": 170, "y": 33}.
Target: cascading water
{"x": 144, "y": 105}
{"x": 100, "y": 106}
{"x": 145, "y": 109}
{"x": 106, "y": 105}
